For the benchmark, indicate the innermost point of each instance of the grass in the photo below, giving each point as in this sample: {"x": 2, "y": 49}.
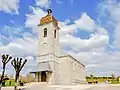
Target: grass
{"x": 115, "y": 81}
{"x": 7, "y": 83}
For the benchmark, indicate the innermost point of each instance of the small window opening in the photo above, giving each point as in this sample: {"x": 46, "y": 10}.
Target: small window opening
{"x": 45, "y": 32}
{"x": 54, "y": 33}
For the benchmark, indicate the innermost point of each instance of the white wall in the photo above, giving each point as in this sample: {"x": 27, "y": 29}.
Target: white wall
{"x": 71, "y": 71}
{"x": 78, "y": 71}
{"x": 52, "y": 43}
{"x": 65, "y": 71}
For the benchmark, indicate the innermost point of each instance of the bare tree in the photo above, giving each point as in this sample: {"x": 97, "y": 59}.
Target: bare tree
{"x": 5, "y": 60}
{"x": 18, "y": 65}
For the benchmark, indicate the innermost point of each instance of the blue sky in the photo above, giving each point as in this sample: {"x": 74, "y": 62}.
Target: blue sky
{"x": 92, "y": 25}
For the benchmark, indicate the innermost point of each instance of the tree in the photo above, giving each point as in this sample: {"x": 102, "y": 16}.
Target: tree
{"x": 5, "y": 60}
{"x": 18, "y": 65}
{"x": 91, "y": 76}
{"x": 113, "y": 77}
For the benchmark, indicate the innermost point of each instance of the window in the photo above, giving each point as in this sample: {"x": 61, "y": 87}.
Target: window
{"x": 45, "y": 32}
{"x": 54, "y": 33}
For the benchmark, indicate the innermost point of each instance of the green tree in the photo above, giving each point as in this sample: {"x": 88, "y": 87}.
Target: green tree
{"x": 91, "y": 76}
{"x": 113, "y": 77}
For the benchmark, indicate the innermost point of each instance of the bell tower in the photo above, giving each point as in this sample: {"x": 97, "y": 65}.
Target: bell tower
{"x": 48, "y": 37}
{"x": 48, "y": 44}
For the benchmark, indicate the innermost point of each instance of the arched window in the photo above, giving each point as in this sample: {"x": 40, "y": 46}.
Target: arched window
{"x": 45, "y": 32}
{"x": 54, "y": 33}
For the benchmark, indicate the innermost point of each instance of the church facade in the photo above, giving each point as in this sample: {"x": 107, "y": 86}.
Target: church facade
{"x": 54, "y": 66}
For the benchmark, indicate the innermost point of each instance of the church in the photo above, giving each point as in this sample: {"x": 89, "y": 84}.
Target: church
{"x": 54, "y": 66}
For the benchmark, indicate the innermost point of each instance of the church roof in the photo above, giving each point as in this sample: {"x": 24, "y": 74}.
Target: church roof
{"x": 47, "y": 19}
{"x": 63, "y": 53}
{"x": 42, "y": 66}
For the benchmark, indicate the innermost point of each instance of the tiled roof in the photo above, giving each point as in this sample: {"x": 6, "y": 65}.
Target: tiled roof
{"x": 47, "y": 19}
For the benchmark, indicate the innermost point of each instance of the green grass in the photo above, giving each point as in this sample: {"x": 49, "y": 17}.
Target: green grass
{"x": 7, "y": 83}
{"x": 115, "y": 82}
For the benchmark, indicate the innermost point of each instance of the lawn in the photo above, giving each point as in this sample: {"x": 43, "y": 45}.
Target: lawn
{"x": 10, "y": 83}
{"x": 7, "y": 83}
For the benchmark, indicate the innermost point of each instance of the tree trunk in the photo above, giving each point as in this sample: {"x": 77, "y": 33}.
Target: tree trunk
{"x": 2, "y": 76}
{"x": 15, "y": 88}
{"x": 16, "y": 81}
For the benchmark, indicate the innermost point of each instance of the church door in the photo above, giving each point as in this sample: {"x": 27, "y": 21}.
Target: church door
{"x": 43, "y": 76}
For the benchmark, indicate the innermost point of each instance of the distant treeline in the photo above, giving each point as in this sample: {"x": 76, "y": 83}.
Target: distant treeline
{"x": 103, "y": 79}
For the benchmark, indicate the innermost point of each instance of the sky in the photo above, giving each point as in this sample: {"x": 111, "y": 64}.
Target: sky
{"x": 89, "y": 31}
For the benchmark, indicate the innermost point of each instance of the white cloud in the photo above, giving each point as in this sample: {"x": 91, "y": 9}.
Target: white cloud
{"x": 85, "y": 23}
{"x": 20, "y": 47}
{"x": 67, "y": 29}
{"x": 117, "y": 36}
{"x": 43, "y": 3}
{"x": 16, "y": 45}
{"x": 111, "y": 10}
{"x": 12, "y": 30}
{"x": 94, "y": 42}
{"x": 98, "y": 39}
{"x": 33, "y": 19}
{"x": 82, "y": 23}
{"x": 9, "y": 6}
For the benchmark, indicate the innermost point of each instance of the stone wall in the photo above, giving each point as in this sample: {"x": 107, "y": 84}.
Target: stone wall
{"x": 71, "y": 71}
{"x": 65, "y": 71}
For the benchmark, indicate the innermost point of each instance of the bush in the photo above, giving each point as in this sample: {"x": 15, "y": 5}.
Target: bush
{"x": 9, "y": 83}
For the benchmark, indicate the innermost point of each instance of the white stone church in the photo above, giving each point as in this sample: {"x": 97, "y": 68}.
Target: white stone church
{"x": 54, "y": 66}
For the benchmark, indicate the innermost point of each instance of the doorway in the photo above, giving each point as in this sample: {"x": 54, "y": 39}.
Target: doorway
{"x": 43, "y": 76}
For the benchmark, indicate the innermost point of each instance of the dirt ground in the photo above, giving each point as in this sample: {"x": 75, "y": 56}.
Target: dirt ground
{"x": 38, "y": 86}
